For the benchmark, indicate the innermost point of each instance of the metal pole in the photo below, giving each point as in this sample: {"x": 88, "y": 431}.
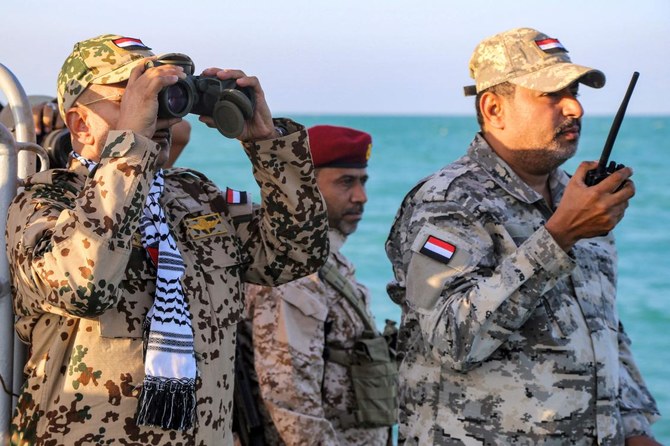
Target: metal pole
{"x": 23, "y": 118}
{"x": 7, "y": 192}
{"x": 12, "y": 167}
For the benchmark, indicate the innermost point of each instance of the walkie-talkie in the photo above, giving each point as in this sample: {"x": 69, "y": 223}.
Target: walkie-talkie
{"x": 604, "y": 170}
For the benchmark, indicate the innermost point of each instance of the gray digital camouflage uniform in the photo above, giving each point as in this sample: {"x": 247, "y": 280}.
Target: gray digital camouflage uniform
{"x": 305, "y": 396}
{"x": 506, "y": 338}
{"x": 82, "y": 283}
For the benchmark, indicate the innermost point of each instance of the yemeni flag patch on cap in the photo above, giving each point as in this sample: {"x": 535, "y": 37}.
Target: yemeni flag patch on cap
{"x": 128, "y": 43}
{"x": 438, "y": 249}
{"x": 550, "y": 45}
{"x": 235, "y": 196}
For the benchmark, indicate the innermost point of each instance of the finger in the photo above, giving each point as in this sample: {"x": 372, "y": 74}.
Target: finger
{"x": 630, "y": 186}
{"x": 48, "y": 117}
{"x": 584, "y": 166}
{"x": 37, "y": 118}
{"x": 230, "y": 74}
{"x": 249, "y": 81}
{"x": 139, "y": 69}
{"x": 155, "y": 79}
{"x": 165, "y": 70}
{"x": 208, "y": 121}
{"x": 226, "y": 73}
{"x": 211, "y": 72}
{"x": 619, "y": 212}
{"x": 164, "y": 123}
{"x": 619, "y": 200}
{"x": 626, "y": 191}
{"x": 59, "y": 124}
{"x": 181, "y": 133}
{"x": 615, "y": 180}
{"x": 167, "y": 78}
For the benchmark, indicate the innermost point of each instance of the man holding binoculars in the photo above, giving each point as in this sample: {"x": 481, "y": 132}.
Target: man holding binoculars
{"x": 128, "y": 279}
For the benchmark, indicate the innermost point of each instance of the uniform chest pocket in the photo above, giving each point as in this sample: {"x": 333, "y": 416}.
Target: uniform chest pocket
{"x": 125, "y": 319}
{"x": 220, "y": 260}
{"x": 300, "y": 319}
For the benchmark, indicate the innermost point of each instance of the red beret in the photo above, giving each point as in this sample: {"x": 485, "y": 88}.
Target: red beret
{"x": 333, "y": 146}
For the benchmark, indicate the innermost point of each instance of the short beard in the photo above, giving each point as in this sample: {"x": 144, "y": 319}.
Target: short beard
{"x": 542, "y": 161}
{"x": 344, "y": 227}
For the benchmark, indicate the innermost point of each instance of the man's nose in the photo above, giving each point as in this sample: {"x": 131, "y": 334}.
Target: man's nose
{"x": 572, "y": 107}
{"x": 359, "y": 194}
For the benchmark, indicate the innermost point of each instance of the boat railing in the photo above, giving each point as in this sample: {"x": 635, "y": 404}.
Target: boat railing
{"x": 18, "y": 154}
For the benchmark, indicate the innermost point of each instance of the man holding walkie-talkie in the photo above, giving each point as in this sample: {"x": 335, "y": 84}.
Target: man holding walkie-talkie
{"x": 505, "y": 268}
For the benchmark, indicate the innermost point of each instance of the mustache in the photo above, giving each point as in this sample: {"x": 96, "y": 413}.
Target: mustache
{"x": 568, "y": 124}
{"x": 354, "y": 210}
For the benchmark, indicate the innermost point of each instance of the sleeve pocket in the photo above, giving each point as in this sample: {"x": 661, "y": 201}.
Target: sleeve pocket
{"x": 427, "y": 274}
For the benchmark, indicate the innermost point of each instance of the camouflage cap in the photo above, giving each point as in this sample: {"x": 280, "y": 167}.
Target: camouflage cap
{"x": 106, "y": 59}
{"x": 530, "y": 59}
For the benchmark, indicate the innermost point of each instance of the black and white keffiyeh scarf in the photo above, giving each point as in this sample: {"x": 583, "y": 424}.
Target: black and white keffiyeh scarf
{"x": 167, "y": 398}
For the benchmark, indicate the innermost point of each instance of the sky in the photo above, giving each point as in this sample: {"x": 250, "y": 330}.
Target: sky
{"x": 354, "y": 56}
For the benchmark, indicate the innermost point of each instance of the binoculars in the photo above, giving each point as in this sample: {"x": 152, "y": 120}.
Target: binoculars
{"x": 228, "y": 104}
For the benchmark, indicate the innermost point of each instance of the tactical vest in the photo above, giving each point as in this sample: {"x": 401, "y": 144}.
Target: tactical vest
{"x": 371, "y": 363}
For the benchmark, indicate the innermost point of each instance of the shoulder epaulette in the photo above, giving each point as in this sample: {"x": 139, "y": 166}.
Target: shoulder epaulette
{"x": 184, "y": 172}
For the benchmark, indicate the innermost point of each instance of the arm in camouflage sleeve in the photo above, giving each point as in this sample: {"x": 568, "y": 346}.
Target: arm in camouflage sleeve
{"x": 469, "y": 306}
{"x": 288, "y": 355}
{"x": 288, "y": 236}
{"x": 69, "y": 248}
{"x": 637, "y": 406}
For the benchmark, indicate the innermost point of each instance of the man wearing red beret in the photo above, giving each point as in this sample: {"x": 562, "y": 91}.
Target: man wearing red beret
{"x": 305, "y": 332}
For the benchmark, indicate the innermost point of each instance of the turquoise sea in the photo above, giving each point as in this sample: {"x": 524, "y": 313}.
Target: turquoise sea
{"x": 405, "y": 149}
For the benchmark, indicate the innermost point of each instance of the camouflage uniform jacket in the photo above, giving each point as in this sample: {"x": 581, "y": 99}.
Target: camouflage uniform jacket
{"x": 304, "y": 395}
{"x": 507, "y": 339}
{"x": 83, "y": 284}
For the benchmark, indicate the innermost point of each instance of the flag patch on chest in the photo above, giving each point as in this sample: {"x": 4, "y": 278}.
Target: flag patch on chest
{"x": 438, "y": 249}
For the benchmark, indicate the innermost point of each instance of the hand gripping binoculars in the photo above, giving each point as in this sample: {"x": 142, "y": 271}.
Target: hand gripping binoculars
{"x": 228, "y": 104}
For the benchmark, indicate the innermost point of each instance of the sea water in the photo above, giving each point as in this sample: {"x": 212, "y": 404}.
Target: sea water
{"x": 406, "y": 149}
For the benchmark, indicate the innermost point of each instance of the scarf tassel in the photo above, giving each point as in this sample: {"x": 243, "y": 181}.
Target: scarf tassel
{"x": 167, "y": 402}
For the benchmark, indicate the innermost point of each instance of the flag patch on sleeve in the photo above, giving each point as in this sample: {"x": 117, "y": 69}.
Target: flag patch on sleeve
{"x": 438, "y": 249}
{"x": 235, "y": 196}
{"x": 550, "y": 45}
{"x": 128, "y": 43}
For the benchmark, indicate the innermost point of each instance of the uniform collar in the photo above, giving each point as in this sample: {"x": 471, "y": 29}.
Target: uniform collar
{"x": 481, "y": 152}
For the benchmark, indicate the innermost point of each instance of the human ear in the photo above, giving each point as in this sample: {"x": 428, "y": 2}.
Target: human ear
{"x": 493, "y": 110}
{"x": 76, "y": 120}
